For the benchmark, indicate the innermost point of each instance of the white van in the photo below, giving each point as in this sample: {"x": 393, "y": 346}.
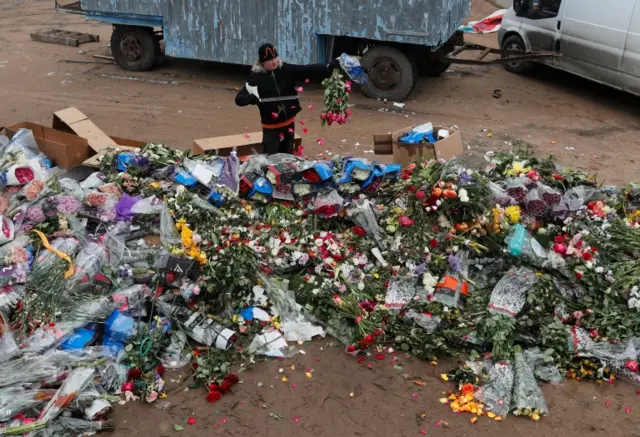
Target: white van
{"x": 598, "y": 40}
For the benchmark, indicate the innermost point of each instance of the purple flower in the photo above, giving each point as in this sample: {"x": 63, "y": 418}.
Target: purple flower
{"x": 421, "y": 269}
{"x": 67, "y": 204}
{"x": 454, "y": 263}
{"x": 141, "y": 161}
{"x": 34, "y": 215}
{"x": 465, "y": 178}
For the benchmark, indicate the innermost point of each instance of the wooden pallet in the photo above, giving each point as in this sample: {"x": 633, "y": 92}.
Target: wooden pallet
{"x": 64, "y": 37}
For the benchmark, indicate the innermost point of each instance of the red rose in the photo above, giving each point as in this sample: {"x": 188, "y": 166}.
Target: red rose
{"x": 134, "y": 374}
{"x": 160, "y": 370}
{"x": 232, "y": 378}
{"x": 225, "y": 386}
{"x": 420, "y": 195}
{"x": 558, "y": 239}
{"x": 351, "y": 348}
{"x": 214, "y": 396}
{"x": 579, "y": 275}
{"x": 380, "y": 357}
{"x": 359, "y": 231}
{"x": 362, "y": 360}
{"x": 587, "y": 256}
{"x": 433, "y": 243}
{"x": 369, "y": 338}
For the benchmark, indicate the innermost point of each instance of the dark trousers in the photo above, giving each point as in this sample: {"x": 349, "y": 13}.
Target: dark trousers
{"x": 278, "y": 140}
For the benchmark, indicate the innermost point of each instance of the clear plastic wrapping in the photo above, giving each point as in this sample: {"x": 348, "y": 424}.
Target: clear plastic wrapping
{"x": 535, "y": 204}
{"x": 88, "y": 263}
{"x": 527, "y": 398}
{"x": 16, "y": 399}
{"x": 8, "y": 347}
{"x": 510, "y": 293}
{"x": 168, "y": 232}
{"x": 517, "y": 189}
{"x": 549, "y": 195}
{"x": 497, "y": 390}
{"x": 363, "y": 215}
{"x": 328, "y": 205}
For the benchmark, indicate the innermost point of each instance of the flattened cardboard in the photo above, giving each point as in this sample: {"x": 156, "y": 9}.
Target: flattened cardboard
{"x": 65, "y": 150}
{"x": 71, "y": 120}
{"x": 224, "y": 145}
{"x": 404, "y": 154}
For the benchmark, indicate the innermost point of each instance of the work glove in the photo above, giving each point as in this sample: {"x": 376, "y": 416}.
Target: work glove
{"x": 334, "y": 64}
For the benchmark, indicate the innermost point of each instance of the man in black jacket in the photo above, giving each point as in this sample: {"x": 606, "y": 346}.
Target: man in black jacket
{"x": 276, "y": 80}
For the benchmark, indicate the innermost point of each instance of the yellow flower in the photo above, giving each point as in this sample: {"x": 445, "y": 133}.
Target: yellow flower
{"x": 512, "y": 214}
{"x": 444, "y": 377}
{"x": 308, "y": 375}
{"x": 180, "y": 223}
{"x": 516, "y": 169}
{"x": 535, "y": 417}
{"x": 285, "y": 379}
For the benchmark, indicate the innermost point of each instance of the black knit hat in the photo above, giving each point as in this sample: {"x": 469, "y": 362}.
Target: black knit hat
{"x": 267, "y": 52}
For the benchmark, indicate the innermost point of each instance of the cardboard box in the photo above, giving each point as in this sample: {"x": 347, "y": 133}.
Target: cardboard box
{"x": 65, "y": 150}
{"x": 224, "y": 145}
{"x": 404, "y": 154}
{"x": 72, "y": 121}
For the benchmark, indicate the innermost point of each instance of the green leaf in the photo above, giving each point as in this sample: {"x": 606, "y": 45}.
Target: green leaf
{"x": 178, "y": 428}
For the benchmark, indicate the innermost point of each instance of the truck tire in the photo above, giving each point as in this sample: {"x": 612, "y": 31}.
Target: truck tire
{"x": 134, "y": 48}
{"x": 514, "y": 42}
{"x": 392, "y": 75}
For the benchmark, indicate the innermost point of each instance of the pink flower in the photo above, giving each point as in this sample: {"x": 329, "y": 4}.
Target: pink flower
{"x": 405, "y": 221}
{"x": 578, "y": 315}
{"x": 411, "y": 166}
{"x": 420, "y": 195}
{"x": 310, "y": 107}
{"x": 151, "y": 397}
{"x": 320, "y": 142}
{"x": 560, "y": 248}
{"x": 299, "y": 89}
{"x": 281, "y": 137}
{"x": 290, "y": 130}
{"x": 632, "y": 365}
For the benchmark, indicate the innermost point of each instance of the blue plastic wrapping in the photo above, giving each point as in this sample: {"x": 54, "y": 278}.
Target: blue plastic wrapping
{"x": 80, "y": 339}
{"x": 124, "y": 160}
{"x": 120, "y": 326}
{"x": 261, "y": 190}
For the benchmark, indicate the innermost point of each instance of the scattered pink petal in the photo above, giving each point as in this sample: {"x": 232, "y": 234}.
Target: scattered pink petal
{"x": 310, "y": 107}
{"x": 296, "y": 419}
{"x": 414, "y": 395}
{"x": 246, "y": 128}
{"x": 299, "y": 89}
{"x": 223, "y": 420}
{"x": 638, "y": 392}
{"x": 317, "y": 358}
{"x": 370, "y": 365}
{"x": 191, "y": 421}
{"x": 423, "y": 431}
{"x": 607, "y": 403}
{"x": 627, "y": 410}
{"x": 305, "y": 131}
{"x": 247, "y": 136}
{"x": 438, "y": 423}
{"x": 306, "y": 81}
{"x": 274, "y": 115}
{"x": 290, "y": 130}
{"x": 294, "y": 385}
{"x": 301, "y": 122}
{"x": 321, "y": 141}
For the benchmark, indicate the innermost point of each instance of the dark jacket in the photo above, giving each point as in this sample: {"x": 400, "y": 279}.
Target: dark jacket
{"x": 278, "y": 83}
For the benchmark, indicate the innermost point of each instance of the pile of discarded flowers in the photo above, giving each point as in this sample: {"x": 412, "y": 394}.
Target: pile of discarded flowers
{"x": 530, "y": 266}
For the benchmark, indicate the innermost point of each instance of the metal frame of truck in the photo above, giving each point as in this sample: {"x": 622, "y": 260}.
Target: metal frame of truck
{"x": 234, "y": 29}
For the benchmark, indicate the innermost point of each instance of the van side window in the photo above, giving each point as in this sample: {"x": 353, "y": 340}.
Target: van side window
{"x": 537, "y": 9}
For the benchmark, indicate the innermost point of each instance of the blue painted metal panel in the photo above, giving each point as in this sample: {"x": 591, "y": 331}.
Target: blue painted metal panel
{"x": 232, "y": 30}
{"x": 125, "y": 19}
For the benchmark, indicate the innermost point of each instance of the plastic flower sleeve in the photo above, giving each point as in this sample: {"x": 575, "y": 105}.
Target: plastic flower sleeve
{"x": 351, "y": 66}
{"x": 543, "y": 369}
{"x": 363, "y": 215}
{"x": 328, "y": 205}
{"x": 576, "y": 197}
{"x": 510, "y": 293}
{"x": 427, "y": 322}
{"x": 516, "y": 189}
{"x": 8, "y": 347}
{"x": 527, "y": 397}
{"x": 168, "y": 233}
{"x": 17, "y": 399}
{"x": 496, "y": 392}
{"x": 535, "y": 204}
{"x": 88, "y": 263}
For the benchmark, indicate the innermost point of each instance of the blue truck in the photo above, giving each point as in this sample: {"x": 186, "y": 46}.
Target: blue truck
{"x": 396, "y": 40}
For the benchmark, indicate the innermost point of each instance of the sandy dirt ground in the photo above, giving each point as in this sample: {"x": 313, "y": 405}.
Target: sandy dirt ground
{"x": 585, "y": 125}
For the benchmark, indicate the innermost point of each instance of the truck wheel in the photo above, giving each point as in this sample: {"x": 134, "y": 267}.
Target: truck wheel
{"x": 392, "y": 75}
{"x": 134, "y": 48}
{"x": 515, "y": 43}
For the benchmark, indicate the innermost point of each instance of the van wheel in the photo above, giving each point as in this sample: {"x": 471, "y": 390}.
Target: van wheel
{"x": 392, "y": 75}
{"x": 516, "y": 44}
{"x": 134, "y": 48}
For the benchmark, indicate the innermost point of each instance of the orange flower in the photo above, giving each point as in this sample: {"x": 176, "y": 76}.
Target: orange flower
{"x": 467, "y": 389}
